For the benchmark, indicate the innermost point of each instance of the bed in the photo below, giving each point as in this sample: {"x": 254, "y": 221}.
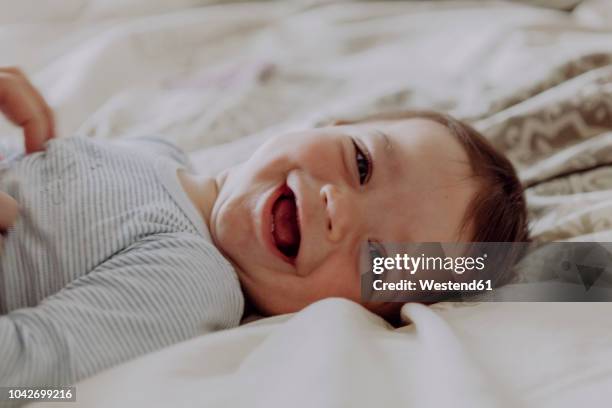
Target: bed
{"x": 217, "y": 78}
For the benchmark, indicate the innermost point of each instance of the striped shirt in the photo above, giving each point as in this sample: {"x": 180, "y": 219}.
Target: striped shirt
{"x": 109, "y": 260}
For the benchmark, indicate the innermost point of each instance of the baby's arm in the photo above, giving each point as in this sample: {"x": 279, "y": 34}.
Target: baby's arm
{"x": 163, "y": 290}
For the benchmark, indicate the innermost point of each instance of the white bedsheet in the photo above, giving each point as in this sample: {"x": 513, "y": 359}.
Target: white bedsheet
{"x": 337, "y": 354}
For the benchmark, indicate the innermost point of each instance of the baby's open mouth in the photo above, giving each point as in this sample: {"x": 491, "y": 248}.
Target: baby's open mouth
{"x": 285, "y": 224}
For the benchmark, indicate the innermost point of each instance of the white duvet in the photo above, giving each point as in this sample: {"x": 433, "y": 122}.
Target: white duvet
{"x": 336, "y": 354}
{"x": 200, "y": 75}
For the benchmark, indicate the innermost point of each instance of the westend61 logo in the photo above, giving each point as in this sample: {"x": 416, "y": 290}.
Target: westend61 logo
{"x": 431, "y": 266}
{"x": 425, "y": 271}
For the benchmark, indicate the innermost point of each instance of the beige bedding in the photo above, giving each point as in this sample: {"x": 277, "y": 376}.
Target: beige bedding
{"x": 336, "y": 354}
{"x": 558, "y": 131}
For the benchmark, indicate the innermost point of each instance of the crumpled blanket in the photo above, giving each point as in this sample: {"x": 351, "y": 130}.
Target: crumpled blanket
{"x": 336, "y": 354}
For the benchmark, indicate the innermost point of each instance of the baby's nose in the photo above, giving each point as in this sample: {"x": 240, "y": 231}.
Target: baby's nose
{"x": 340, "y": 208}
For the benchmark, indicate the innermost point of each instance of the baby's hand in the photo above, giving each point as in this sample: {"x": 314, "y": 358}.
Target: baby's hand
{"x": 9, "y": 210}
{"x": 23, "y": 105}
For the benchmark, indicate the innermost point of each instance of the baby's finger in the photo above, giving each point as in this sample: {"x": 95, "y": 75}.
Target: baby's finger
{"x": 44, "y": 106}
{"x": 13, "y": 71}
{"x": 22, "y": 105}
{"x": 51, "y": 121}
{"x": 35, "y": 132}
{"x": 9, "y": 211}
{"x": 41, "y": 100}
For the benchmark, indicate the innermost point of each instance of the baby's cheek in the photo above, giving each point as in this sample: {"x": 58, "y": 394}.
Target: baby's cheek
{"x": 337, "y": 276}
{"x": 230, "y": 231}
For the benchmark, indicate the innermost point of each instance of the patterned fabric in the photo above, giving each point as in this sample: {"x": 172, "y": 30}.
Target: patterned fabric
{"x": 559, "y": 135}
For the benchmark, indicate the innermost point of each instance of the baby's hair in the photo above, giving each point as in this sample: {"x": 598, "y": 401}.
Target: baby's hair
{"x": 498, "y": 211}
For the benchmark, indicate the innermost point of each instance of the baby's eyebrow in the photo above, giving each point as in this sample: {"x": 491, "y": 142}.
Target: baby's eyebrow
{"x": 388, "y": 149}
{"x": 386, "y": 139}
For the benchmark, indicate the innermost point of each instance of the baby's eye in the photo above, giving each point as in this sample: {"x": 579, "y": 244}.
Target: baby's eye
{"x": 364, "y": 164}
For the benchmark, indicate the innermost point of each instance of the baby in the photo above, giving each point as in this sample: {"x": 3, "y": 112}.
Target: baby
{"x": 119, "y": 249}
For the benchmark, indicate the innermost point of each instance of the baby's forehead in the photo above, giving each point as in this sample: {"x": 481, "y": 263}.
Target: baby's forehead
{"x": 420, "y": 139}
{"x": 413, "y": 136}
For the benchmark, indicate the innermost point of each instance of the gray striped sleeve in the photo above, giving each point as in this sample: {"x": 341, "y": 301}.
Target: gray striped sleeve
{"x": 164, "y": 289}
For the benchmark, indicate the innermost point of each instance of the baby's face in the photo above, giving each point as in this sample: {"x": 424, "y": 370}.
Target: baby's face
{"x": 293, "y": 218}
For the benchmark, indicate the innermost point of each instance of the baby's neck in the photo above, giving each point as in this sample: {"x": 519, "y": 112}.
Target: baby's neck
{"x": 202, "y": 190}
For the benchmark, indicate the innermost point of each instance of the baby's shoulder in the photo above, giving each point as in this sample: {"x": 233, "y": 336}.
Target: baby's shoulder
{"x": 177, "y": 255}
{"x": 173, "y": 247}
